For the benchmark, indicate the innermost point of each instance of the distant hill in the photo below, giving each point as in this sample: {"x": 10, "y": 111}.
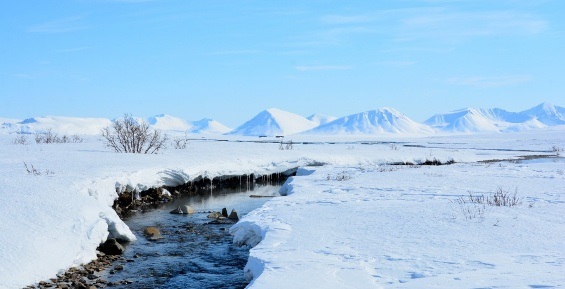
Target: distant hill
{"x": 484, "y": 120}
{"x": 321, "y": 119}
{"x": 547, "y": 114}
{"x": 58, "y": 124}
{"x": 273, "y": 122}
{"x": 167, "y": 123}
{"x": 207, "y": 125}
{"x": 384, "y": 120}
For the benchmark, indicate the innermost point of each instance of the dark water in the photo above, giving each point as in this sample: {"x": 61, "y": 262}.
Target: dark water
{"x": 193, "y": 253}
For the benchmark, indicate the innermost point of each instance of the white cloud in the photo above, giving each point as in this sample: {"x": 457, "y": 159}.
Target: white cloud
{"x": 448, "y": 24}
{"x": 59, "y": 26}
{"x": 397, "y": 63}
{"x": 235, "y": 52}
{"x": 323, "y": 67}
{"x": 74, "y": 49}
{"x": 485, "y": 82}
{"x": 345, "y": 19}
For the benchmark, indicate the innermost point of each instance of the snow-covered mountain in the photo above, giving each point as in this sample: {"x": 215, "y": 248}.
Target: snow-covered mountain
{"x": 167, "y": 123}
{"x": 58, "y": 124}
{"x": 384, "y": 120}
{"x": 547, "y": 114}
{"x": 497, "y": 120}
{"x": 467, "y": 120}
{"x": 273, "y": 122}
{"x": 207, "y": 125}
{"x": 321, "y": 119}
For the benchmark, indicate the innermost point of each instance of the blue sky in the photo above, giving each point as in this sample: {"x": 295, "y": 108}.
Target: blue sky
{"x": 230, "y": 59}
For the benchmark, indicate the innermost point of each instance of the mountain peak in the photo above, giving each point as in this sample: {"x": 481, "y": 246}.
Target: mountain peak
{"x": 273, "y": 122}
{"x": 383, "y": 120}
{"x": 321, "y": 119}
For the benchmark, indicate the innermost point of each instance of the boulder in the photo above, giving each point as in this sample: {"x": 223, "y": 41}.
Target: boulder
{"x": 215, "y": 215}
{"x": 183, "y": 210}
{"x": 233, "y": 215}
{"x": 225, "y": 212}
{"x": 152, "y": 233}
{"x": 111, "y": 247}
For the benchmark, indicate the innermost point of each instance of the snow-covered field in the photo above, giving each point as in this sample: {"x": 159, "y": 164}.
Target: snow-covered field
{"x": 352, "y": 223}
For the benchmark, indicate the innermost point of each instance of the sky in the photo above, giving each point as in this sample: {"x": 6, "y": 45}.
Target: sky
{"x": 230, "y": 59}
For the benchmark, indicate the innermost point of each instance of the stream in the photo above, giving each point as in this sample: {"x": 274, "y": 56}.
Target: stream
{"x": 192, "y": 253}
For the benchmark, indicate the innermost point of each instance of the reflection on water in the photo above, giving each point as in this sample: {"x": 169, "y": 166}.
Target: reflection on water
{"x": 192, "y": 254}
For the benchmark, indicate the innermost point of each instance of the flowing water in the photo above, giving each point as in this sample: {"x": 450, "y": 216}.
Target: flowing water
{"x": 192, "y": 253}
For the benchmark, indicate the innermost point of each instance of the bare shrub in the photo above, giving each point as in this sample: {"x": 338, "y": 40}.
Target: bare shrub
{"x": 51, "y": 137}
{"x": 33, "y": 171}
{"x": 128, "y": 136}
{"x": 343, "y": 176}
{"x": 180, "y": 143}
{"x": 393, "y": 146}
{"x": 286, "y": 146}
{"x": 21, "y": 139}
{"x": 47, "y": 137}
{"x": 470, "y": 210}
{"x": 557, "y": 150}
{"x": 474, "y": 206}
{"x": 500, "y": 198}
{"x": 76, "y": 138}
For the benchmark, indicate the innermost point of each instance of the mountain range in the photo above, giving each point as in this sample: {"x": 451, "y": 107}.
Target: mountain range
{"x": 483, "y": 120}
{"x": 276, "y": 122}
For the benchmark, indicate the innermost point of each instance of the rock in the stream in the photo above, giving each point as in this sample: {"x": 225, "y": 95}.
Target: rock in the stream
{"x": 111, "y": 247}
{"x": 215, "y": 215}
{"x": 233, "y": 215}
{"x": 225, "y": 212}
{"x": 183, "y": 210}
{"x": 152, "y": 233}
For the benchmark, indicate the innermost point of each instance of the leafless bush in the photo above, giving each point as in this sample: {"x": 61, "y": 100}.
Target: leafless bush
{"x": 47, "y": 137}
{"x": 470, "y": 210}
{"x": 21, "y": 139}
{"x": 474, "y": 206}
{"x": 500, "y": 198}
{"x": 50, "y": 137}
{"x": 33, "y": 171}
{"x": 393, "y": 146}
{"x": 286, "y": 146}
{"x": 128, "y": 136}
{"x": 76, "y": 138}
{"x": 343, "y": 176}
{"x": 557, "y": 150}
{"x": 386, "y": 168}
{"x": 180, "y": 143}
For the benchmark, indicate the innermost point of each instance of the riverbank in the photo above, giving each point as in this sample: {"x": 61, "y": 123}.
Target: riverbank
{"x": 472, "y": 225}
{"x": 57, "y": 214}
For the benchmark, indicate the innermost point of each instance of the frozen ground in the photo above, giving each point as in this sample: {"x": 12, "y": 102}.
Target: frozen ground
{"x": 351, "y": 223}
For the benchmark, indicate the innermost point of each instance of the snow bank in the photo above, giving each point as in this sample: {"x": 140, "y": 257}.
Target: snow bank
{"x": 402, "y": 227}
{"x": 56, "y": 218}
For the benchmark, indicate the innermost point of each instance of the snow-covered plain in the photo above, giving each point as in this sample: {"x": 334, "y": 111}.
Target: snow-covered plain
{"x": 354, "y": 222}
